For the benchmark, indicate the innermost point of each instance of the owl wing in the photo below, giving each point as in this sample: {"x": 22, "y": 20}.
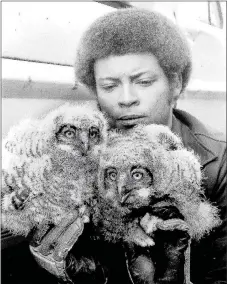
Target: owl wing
{"x": 24, "y": 165}
{"x": 26, "y": 139}
{"x": 23, "y": 152}
{"x": 22, "y": 193}
{"x": 187, "y": 170}
{"x": 199, "y": 213}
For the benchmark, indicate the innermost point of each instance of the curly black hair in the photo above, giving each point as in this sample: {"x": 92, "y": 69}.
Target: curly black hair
{"x": 133, "y": 30}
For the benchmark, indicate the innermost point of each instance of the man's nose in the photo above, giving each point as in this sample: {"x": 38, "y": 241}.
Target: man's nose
{"x": 128, "y": 96}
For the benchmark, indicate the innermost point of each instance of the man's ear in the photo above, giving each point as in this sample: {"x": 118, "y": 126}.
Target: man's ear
{"x": 176, "y": 88}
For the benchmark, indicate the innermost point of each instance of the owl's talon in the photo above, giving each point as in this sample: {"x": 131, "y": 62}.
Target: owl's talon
{"x": 144, "y": 242}
{"x": 85, "y": 219}
{"x": 149, "y": 223}
{"x": 17, "y": 204}
{"x": 140, "y": 238}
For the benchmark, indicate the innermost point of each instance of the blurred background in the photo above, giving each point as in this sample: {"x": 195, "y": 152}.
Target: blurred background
{"x": 39, "y": 40}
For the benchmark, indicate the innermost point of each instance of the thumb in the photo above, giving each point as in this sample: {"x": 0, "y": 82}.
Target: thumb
{"x": 139, "y": 265}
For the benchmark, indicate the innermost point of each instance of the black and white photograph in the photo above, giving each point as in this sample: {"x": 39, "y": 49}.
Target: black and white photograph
{"x": 113, "y": 142}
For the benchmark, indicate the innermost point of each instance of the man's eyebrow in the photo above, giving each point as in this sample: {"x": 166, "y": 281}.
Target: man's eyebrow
{"x": 136, "y": 76}
{"x": 107, "y": 78}
{"x": 132, "y": 77}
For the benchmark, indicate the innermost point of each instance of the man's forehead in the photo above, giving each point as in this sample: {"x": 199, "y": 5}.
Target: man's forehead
{"x": 126, "y": 65}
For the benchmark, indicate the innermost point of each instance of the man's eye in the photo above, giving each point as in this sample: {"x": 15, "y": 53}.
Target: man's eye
{"x": 137, "y": 176}
{"x": 145, "y": 83}
{"x": 93, "y": 132}
{"x": 109, "y": 87}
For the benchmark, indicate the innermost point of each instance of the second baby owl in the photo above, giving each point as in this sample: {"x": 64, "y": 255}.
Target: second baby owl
{"x": 141, "y": 171}
{"x": 49, "y": 166}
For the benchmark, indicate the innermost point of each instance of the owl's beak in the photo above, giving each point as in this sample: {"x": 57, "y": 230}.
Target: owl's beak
{"x": 124, "y": 194}
{"x": 124, "y": 198}
{"x": 84, "y": 143}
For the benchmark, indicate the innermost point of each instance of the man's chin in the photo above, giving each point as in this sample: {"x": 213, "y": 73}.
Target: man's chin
{"x": 125, "y": 127}
{"x": 116, "y": 125}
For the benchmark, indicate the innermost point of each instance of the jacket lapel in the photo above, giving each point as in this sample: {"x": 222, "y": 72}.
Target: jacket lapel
{"x": 192, "y": 141}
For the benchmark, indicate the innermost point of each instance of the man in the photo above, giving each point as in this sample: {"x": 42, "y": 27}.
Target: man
{"x": 137, "y": 64}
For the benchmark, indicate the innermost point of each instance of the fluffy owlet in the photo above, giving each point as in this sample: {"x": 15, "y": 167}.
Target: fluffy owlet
{"x": 144, "y": 169}
{"x": 49, "y": 167}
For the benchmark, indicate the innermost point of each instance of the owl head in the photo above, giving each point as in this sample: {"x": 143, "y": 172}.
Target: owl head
{"x": 79, "y": 130}
{"x": 133, "y": 169}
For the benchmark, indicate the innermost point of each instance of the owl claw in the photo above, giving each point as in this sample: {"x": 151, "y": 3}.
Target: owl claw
{"x": 144, "y": 242}
{"x": 16, "y": 201}
{"x": 17, "y": 204}
{"x": 140, "y": 238}
{"x": 149, "y": 223}
{"x": 85, "y": 219}
{"x": 148, "y": 242}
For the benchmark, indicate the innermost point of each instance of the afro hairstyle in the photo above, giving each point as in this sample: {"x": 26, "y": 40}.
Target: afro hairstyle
{"x": 133, "y": 30}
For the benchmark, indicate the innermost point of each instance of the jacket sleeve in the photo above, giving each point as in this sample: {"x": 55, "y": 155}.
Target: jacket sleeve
{"x": 209, "y": 256}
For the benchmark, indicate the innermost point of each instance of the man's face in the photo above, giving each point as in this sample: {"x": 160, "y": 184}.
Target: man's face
{"x": 133, "y": 89}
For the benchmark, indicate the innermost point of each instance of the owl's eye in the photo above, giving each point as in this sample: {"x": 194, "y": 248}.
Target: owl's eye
{"x": 141, "y": 174}
{"x": 68, "y": 131}
{"x": 112, "y": 174}
{"x": 93, "y": 132}
{"x": 69, "y": 134}
{"x": 137, "y": 175}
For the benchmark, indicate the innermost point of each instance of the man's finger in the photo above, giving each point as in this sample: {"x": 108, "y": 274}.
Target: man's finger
{"x": 51, "y": 240}
{"x": 172, "y": 225}
{"x": 68, "y": 239}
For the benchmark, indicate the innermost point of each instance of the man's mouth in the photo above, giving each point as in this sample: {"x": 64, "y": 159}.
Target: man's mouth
{"x": 130, "y": 119}
{"x": 132, "y": 116}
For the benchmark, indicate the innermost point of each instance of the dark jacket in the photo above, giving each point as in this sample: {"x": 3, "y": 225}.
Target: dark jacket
{"x": 208, "y": 257}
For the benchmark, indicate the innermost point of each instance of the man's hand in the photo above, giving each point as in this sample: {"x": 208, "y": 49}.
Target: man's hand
{"x": 85, "y": 268}
{"x": 141, "y": 268}
{"x": 171, "y": 243}
{"x": 164, "y": 262}
{"x": 51, "y": 246}
{"x": 66, "y": 252}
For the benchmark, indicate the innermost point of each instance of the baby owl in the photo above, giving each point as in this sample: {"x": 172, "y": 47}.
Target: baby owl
{"x": 49, "y": 167}
{"x": 142, "y": 170}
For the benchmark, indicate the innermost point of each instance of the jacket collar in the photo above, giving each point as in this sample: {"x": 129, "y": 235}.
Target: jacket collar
{"x": 190, "y": 130}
